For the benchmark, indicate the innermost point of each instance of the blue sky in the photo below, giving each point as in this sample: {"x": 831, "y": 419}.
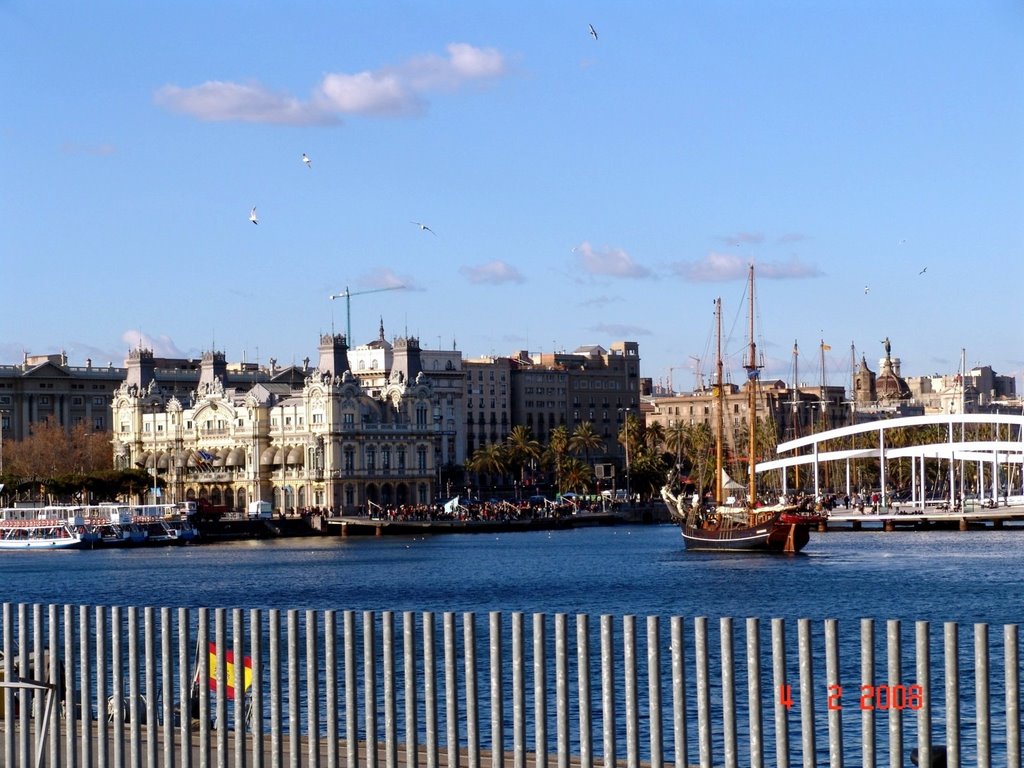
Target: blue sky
{"x": 867, "y": 157}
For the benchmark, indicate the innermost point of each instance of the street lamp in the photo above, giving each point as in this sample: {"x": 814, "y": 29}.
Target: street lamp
{"x": 625, "y": 428}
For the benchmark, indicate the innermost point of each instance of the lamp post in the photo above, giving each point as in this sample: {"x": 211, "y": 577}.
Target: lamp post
{"x": 626, "y": 411}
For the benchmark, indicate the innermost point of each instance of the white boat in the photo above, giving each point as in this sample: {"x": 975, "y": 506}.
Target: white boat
{"x": 52, "y": 527}
{"x": 163, "y": 524}
{"x": 109, "y": 525}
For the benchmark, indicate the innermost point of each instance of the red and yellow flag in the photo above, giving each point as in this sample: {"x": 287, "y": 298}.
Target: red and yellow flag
{"x": 229, "y": 671}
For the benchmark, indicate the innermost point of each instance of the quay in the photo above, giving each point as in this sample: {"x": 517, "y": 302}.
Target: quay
{"x": 973, "y": 517}
{"x": 385, "y": 524}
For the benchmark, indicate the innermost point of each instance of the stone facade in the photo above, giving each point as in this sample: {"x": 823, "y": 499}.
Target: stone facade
{"x": 329, "y": 443}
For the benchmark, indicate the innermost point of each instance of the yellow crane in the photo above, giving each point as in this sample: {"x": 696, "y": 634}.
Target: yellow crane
{"x": 347, "y": 296}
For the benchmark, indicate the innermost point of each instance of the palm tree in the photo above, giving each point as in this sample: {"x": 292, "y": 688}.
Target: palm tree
{"x": 654, "y": 435}
{"x": 558, "y": 449}
{"x": 488, "y": 460}
{"x": 676, "y": 440}
{"x": 585, "y": 439}
{"x": 576, "y": 476}
{"x": 521, "y": 448}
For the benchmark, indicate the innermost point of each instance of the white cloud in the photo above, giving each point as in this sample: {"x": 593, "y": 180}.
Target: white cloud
{"x": 389, "y": 91}
{"x": 162, "y": 346}
{"x": 620, "y": 330}
{"x": 464, "y": 63}
{"x": 722, "y": 267}
{"x": 382, "y": 278}
{"x": 611, "y": 262}
{"x": 216, "y": 101}
{"x": 494, "y": 272}
{"x": 367, "y": 93}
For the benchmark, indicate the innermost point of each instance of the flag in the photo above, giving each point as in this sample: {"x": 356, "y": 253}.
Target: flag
{"x": 451, "y": 506}
{"x": 205, "y": 456}
{"x": 229, "y": 671}
{"x": 825, "y": 347}
{"x": 753, "y": 373}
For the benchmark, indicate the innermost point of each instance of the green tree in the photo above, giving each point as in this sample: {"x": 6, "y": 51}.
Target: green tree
{"x": 576, "y": 476}
{"x": 520, "y": 449}
{"x": 557, "y": 452}
{"x": 585, "y": 439}
{"x": 488, "y": 461}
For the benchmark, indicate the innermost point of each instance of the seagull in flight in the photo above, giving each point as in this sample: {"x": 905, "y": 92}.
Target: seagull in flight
{"x": 425, "y": 228}
{"x": 866, "y": 289}
{"x": 252, "y": 216}
{"x": 593, "y": 32}
{"x": 923, "y": 271}
{"x": 306, "y": 160}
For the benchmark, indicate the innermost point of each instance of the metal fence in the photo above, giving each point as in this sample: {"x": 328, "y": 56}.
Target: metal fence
{"x": 115, "y": 686}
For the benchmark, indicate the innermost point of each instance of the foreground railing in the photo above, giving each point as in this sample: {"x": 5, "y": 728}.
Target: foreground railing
{"x": 146, "y": 686}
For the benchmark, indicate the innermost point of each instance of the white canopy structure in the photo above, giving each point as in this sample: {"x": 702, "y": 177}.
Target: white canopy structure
{"x": 1005, "y": 451}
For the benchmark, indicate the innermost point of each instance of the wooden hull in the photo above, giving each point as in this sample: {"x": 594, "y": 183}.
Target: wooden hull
{"x": 780, "y": 530}
{"x": 777, "y": 537}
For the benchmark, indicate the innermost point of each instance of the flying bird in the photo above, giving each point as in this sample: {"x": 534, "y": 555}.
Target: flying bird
{"x": 252, "y": 216}
{"x": 866, "y": 289}
{"x": 306, "y": 160}
{"x": 425, "y": 228}
{"x": 923, "y": 271}
{"x": 593, "y": 32}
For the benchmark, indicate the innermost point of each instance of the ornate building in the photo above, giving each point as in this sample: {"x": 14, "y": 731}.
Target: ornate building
{"x": 316, "y": 440}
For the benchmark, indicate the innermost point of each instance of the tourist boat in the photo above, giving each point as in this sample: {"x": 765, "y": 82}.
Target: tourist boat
{"x": 108, "y": 525}
{"x": 163, "y": 524}
{"x": 745, "y": 524}
{"x": 57, "y": 527}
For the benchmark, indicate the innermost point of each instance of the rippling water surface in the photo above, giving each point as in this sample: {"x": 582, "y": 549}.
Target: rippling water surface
{"x": 967, "y": 577}
{"x": 963, "y": 577}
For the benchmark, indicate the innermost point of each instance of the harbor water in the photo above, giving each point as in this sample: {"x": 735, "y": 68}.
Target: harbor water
{"x": 971, "y": 576}
{"x": 937, "y": 576}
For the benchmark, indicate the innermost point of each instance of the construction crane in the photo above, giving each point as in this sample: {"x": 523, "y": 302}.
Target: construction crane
{"x": 347, "y": 296}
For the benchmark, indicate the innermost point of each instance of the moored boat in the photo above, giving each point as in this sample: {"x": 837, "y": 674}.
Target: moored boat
{"x": 54, "y": 527}
{"x": 107, "y": 525}
{"x": 163, "y": 524}
{"x": 742, "y": 524}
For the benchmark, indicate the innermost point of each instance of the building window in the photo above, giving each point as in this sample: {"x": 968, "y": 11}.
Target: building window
{"x": 99, "y": 423}
{"x": 350, "y": 459}
{"x": 385, "y": 458}
{"x": 318, "y": 418}
{"x": 349, "y": 419}
{"x": 401, "y": 459}
{"x": 371, "y": 458}
{"x": 421, "y": 459}
{"x": 76, "y": 401}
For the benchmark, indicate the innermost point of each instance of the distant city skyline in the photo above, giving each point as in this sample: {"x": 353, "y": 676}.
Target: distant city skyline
{"x": 536, "y": 177}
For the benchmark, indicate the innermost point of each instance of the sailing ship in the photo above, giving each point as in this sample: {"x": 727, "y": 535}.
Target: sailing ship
{"x": 745, "y": 524}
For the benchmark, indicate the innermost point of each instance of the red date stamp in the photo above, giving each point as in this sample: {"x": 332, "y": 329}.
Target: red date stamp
{"x": 879, "y": 698}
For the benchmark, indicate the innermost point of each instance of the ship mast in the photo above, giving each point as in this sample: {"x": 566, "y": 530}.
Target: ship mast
{"x": 753, "y": 372}
{"x": 719, "y": 396}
